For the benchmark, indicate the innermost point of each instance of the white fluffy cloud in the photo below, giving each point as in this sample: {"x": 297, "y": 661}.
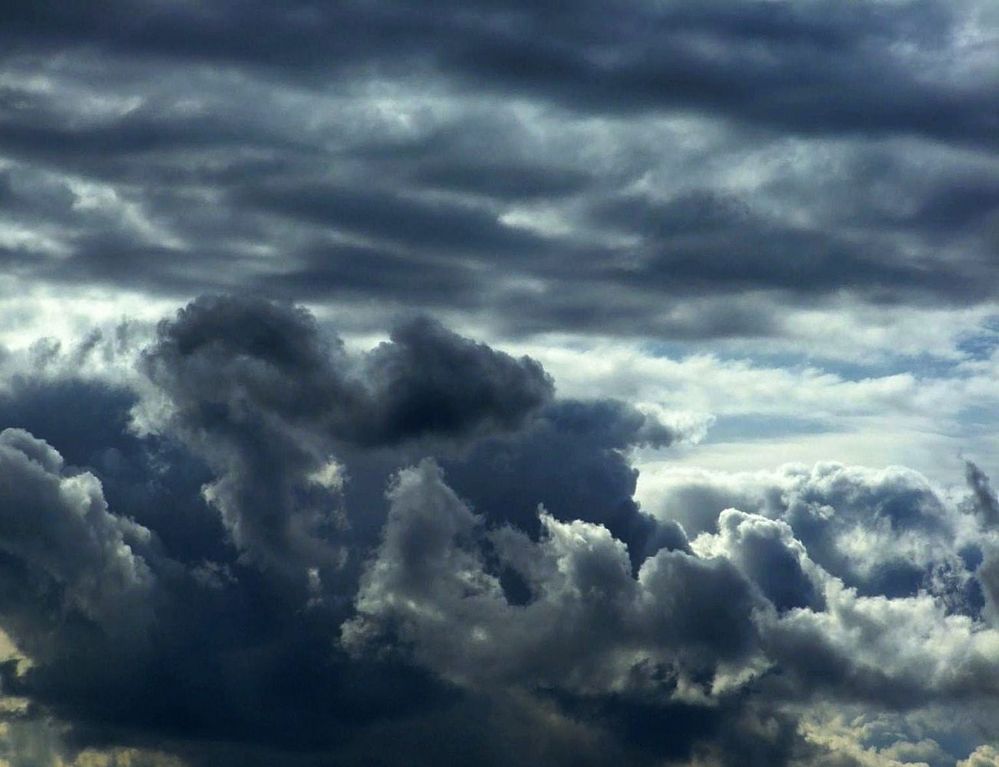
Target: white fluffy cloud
{"x": 748, "y": 609}
{"x": 983, "y": 756}
{"x": 589, "y": 626}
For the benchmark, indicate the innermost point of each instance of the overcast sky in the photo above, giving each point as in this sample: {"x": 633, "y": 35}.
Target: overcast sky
{"x": 499, "y": 382}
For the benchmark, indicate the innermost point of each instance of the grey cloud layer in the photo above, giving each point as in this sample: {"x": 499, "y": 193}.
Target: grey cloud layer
{"x": 604, "y": 169}
{"x": 698, "y": 55}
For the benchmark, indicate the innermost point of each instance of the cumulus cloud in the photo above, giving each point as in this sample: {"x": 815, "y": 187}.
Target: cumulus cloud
{"x": 508, "y": 577}
{"x": 430, "y": 565}
{"x": 769, "y": 554}
{"x": 887, "y": 531}
{"x": 61, "y": 543}
{"x": 747, "y": 609}
{"x": 588, "y": 625}
{"x": 257, "y": 390}
{"x": 984, "y": 756}
{"x": 334, "y": 510}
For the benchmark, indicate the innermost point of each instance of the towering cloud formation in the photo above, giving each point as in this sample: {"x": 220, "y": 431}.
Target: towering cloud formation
{"x": 264, "y": 398}
{"x": 245, "y": 533}
{"x": 587, "y": 625}
{"x": 331, "y": 549}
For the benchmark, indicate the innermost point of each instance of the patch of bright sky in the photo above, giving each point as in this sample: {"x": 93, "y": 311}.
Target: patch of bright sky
{"x": 768, "y": 412}
{"x": 28, "y": 314}
{"x": 762, "y": 409}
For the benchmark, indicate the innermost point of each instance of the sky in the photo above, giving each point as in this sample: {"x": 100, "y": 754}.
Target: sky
{"x": 499, "y": 382}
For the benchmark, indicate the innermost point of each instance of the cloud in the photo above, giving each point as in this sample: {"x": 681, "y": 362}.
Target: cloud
{"x": 884, "y": 532}
{"x": 217, "y": 522}
{"x": 769, "y": 554}
{"x": 708, "y": 62}
{"x": 430, "y": 381}
{"x": 738, "y": 235}
{"x": 573, "y": 459}
{"x": 625, "y": 650}
{"x": 256, "y": 390}
{"x": 588, "y": 626}
{"x": 983, "y": 500}
{"x": 984, "y": 756}
{"x": 527, "y": 170}
{"x": 430, "y": 585}
{"x": 746, "y": 610}
{"x": 61, "y": 543}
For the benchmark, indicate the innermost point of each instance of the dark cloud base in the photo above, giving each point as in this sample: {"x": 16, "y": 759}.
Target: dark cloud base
{"x": 269, "y": 550}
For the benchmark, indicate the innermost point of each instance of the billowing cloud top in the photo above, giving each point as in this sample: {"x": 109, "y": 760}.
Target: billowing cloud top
{"x": 263, "y": 546}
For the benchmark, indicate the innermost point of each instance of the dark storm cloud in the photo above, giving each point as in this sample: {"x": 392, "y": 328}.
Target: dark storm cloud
{"x": 537, "y": 166}
{"x": 703, "y": 242}
{"x": 132, "y": 646}
{"x": 214, "y": 649}
{"x": 265, "y": 398}
{"x": 983, "y": 501}
{"x": 453, "y": 228}
{"x": 430, "y": 381}
{"x": 830, "y": 68}
{"x": 573, "y": 461}
{"x": 262, "y": 394}
{"x": 517, "y": 596}
{"x": 425, "y": 381}
{"x": 241, "y": 542}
